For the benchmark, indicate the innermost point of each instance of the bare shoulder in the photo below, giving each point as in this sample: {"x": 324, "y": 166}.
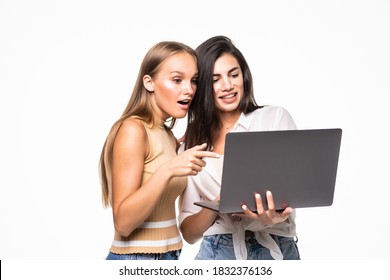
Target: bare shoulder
{"x": 132, "y": 127}
{"x": 132, "y": 135}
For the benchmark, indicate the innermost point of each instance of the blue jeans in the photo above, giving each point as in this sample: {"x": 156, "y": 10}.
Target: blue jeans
{"x": 171, "y": 255}
{"x": 220, "y": 247}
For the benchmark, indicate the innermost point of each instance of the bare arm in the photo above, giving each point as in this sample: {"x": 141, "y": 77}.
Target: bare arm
{"x": 130, "y": 150}
{"x": 132, "y": 201}
{"x": 194, "y": 226}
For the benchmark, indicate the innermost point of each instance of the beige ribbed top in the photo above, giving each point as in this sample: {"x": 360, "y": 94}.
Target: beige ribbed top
{"x": 159, "y": 232}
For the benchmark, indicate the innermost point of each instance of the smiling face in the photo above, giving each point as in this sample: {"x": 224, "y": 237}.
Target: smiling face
{"x": 228, "y": 83}
{"x": 174, "y": 85}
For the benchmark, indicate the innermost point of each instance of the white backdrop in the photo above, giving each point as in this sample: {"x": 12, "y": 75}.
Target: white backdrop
{"x": 67, "y": 69}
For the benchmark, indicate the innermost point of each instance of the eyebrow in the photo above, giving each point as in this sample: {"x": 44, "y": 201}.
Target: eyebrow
{"x": 182, "y": 73}
{"x": 229, "y": 72}
{"x": 177, "y": 72}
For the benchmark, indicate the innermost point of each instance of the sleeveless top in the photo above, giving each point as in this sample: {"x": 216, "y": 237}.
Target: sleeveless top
{"x": 159, "y": 232}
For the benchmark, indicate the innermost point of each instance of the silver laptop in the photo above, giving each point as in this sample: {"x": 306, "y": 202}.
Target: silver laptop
{"x": 299, "y": 167}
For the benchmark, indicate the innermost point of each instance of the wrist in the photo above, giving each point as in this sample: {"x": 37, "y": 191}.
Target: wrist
{"x": 164, "y": 173}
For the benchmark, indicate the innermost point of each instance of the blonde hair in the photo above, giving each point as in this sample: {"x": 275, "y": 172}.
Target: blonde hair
{"x": 139, "y": 106}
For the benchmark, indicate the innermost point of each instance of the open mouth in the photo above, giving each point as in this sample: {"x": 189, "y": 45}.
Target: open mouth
{"x": 184, "y": 102}
{"x": 228, "y": 96}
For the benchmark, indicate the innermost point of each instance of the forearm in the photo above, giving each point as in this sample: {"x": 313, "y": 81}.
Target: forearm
{"x": 137, "y": 207}
{"x": 194, "y": 226}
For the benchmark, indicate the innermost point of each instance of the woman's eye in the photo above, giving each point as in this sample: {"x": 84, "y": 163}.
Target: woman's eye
{"x": 177, "y": 81}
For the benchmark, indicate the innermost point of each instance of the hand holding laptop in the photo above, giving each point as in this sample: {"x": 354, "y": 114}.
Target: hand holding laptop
{"x": 266, "y": 217}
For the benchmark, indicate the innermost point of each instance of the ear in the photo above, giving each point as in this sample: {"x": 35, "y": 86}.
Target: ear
{"x": 148, "y": 83}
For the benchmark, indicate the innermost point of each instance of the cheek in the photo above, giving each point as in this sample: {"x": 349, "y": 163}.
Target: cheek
{"x": 216, "y": 87}
{"x": 165, "y": 95}
{"x": 165, "y": 90}
{"x": 165, "y": 87}
{"x": 241, "y": 85}
{"x": 215, "y": 98}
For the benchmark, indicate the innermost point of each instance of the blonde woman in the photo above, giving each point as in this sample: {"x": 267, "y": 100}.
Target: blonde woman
{"x": 140, "y": 171}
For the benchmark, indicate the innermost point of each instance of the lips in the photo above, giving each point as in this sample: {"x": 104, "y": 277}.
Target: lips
{"x": 184, "y": 102}
{"x": 228, "y": 96}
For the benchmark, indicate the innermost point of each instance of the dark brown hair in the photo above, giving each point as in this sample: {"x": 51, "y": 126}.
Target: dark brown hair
{"x": 203, "y": 119}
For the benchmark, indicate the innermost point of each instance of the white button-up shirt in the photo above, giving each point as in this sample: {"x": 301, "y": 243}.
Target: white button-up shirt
{"x": 207, "y": 184}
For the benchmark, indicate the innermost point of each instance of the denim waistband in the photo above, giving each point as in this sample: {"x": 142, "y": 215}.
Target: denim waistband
{"x": 249, "y": 238}
{"x": 171, "y": 255}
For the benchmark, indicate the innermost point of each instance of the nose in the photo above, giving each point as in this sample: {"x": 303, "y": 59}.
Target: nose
{"x": 226, "y": 84}
{"x": 189, "y": 88}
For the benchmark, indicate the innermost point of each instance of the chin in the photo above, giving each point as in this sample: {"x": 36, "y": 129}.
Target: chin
{"x": 179, "y": 115}
{"x": 228, "y": 108}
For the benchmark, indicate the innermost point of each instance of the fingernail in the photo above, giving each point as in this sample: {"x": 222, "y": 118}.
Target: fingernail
{"x": 257, "y": 195}
{"x": 217, "y": 155}
{"x": 244, "y": 207}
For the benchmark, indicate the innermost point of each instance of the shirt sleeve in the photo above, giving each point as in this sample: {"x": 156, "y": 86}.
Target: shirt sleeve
{"x": 283, "y": 120}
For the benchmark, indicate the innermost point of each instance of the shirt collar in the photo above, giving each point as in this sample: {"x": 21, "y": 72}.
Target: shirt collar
{"x": 245, "y": 121}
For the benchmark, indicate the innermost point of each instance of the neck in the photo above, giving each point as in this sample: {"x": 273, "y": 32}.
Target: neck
{"x": 228, "y": 120}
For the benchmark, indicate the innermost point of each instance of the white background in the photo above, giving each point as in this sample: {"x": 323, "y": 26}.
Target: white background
{"x": 67, "y": 69}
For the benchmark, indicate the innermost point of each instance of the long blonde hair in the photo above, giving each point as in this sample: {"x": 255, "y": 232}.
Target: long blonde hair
{"x": 140, "y": 106}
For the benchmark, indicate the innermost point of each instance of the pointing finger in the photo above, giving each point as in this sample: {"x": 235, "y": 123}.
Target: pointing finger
{"x": 202, "y": 154}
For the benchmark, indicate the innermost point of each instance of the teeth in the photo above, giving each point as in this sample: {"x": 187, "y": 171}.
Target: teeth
{"x": 228, "y": 96}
